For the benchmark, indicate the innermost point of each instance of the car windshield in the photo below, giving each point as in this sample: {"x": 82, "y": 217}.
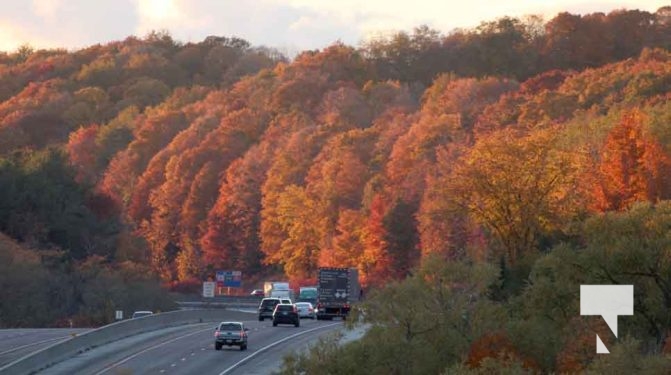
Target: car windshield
{"x": 270, "y": 302}
{"x": 230, "y": 327}
{"x": 308, "y": 293}
{"x": 303, "y": 304}
{"x": 284, "y": 308}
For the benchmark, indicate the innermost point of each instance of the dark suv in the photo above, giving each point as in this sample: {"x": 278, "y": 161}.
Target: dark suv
{"x": 230, "y": 334}
{"x": 286, "y": 314}
{"x": 267, "y": 307}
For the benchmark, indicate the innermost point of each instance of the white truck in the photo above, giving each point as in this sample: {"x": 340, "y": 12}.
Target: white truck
{"x": 277, "y": 289}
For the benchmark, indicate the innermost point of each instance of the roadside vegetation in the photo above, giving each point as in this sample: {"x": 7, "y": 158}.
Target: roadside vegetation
{"x": 38, "y": 292}
{"x": 478, "y": 318}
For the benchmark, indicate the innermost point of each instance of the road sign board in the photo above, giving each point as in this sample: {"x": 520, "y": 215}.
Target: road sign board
{"x": 208, "y": 289}
{"x": 229, "y": 278}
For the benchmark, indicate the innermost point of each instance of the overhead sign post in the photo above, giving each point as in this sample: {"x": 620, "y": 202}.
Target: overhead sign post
{"x": 208, "y": 289}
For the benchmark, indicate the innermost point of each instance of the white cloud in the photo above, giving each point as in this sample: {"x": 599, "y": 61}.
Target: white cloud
{"x": 46, "y": 9}
{"x": 372, "y": 15}
{"x": 292, "y": 24}
{"x": 169, "y": 15}
{"x": 12, "y": 36}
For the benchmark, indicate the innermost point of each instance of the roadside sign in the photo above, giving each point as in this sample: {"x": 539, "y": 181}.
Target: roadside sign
{"x": 229, "y": 278}
{"x": 118, "y": 314}
{"x": 208, "y": 289}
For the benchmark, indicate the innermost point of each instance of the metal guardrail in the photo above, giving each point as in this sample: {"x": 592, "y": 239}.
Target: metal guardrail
{"x": 220, "y": 299}
{"x": 218, "y": 302}
{"x": 61, "y": 351}
{"x": 186, "y": 305}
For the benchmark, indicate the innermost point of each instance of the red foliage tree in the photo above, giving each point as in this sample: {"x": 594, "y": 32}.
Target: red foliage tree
{"x": 496, "y": 345}
{"x": 375, "y": 262}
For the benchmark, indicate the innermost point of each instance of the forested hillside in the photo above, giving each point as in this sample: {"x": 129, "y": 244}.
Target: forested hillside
{"x": 487, "y": 145}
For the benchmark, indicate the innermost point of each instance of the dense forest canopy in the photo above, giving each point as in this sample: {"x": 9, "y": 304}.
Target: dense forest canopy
{"x": 175, "y": 159}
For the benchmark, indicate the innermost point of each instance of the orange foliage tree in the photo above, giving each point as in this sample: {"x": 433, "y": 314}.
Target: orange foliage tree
{"x": 375, "y": 262}
{"x": 81, "y": 150}
{"x": 231, "y": 237}
{"x": 633, "y": 167}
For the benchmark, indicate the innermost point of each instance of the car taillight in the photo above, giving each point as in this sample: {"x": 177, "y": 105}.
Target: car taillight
{"x": 242, "y": 334}
{"x": 216, "y": 333}
{"x": 346, "y": 306}
{"x": 319, "y": 305}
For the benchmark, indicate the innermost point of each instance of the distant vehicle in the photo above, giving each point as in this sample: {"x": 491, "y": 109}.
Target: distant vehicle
{"x": 257, "y": 293}
{"x": 308, "y": 294}
{"x": 140, "y": 314}
{"x": 286, "y": 314}
{"x": 305, "y": 310}
{"x": 338, "y": 289}
{"x": 230, "y": 334}
{"x": 277, "y": 289}
{"x": 266, "y": 308}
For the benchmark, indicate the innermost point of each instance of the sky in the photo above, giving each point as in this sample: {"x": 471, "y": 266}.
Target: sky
{"x": 289, "y": 25}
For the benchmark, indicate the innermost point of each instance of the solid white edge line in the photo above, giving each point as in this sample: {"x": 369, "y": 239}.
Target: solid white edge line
{"x": 117, "y": 364}
{"x": 271, "y": 345}
{"x": 35, "y": 343}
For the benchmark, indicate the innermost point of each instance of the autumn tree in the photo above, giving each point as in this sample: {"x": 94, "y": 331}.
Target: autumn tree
{"x": 82, "y": 150}
{"x": 376, "y": 260}
{"x": 415, "y": 57}
{"x": 299, "y": 251}
{"x": 519, "y": 187}
{"x": 633, "y": 166}
{"x": 231, "y": 237}
{"x": 289, "y": 167}
{"x": 115, "y": 136}
{"x": 90, "y": 105}
{"x": 348, "y": 247}
{"x": 154, "y": 132}
{"x": 336, "y": 181}
{"x": 442, "y": 229}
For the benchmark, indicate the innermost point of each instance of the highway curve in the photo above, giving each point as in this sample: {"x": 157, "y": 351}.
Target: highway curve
{"x": 190, "y": 350}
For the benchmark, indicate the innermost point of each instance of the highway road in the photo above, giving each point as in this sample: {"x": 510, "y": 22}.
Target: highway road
{"x": 190, "y": 350}
{"x": 16, "y": 343}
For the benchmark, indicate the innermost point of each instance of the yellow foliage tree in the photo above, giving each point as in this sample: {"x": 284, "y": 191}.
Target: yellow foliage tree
{"x": 517, "y": 186}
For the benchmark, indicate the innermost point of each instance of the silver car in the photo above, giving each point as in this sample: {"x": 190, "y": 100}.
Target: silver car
{"x": 230, "y": 334}
{"x": 140, "y": 314}
{"x": 305, "y": 310}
